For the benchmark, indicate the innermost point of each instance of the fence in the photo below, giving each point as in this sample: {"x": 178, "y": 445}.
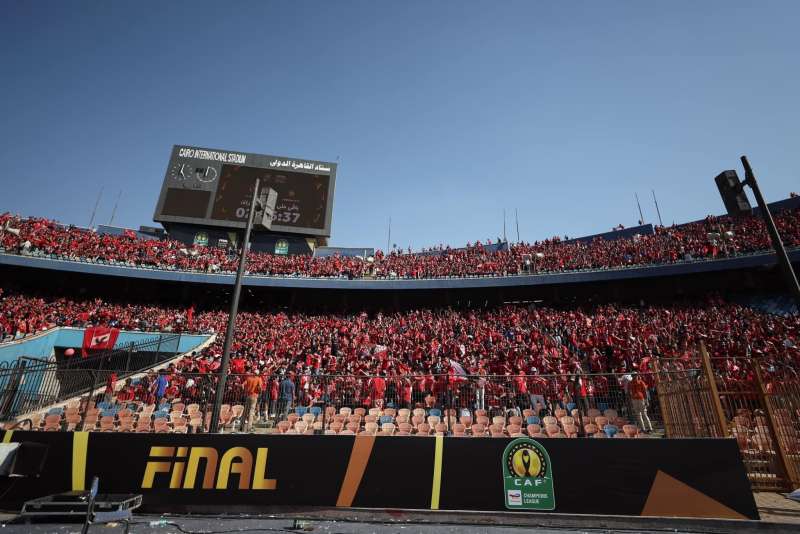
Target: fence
{"x": 762, "y": 414}
{"x": 30, "y": 384}
{"x": 574, "y": 401}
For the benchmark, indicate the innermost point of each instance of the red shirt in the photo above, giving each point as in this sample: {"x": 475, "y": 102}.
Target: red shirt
{"x": 637, "y": 389}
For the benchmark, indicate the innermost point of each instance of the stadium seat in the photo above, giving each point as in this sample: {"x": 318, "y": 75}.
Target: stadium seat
{"x": 552, "y": 430}
{"x": 496, "y": 431}
{"x": 336, "y": 426}
{"x": 630, "y": 430}
{"x": 610, "y": 430}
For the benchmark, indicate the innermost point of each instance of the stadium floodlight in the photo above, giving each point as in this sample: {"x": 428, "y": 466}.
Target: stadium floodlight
{"x": 229, "y": 332}
{"x": 777, "y": 244}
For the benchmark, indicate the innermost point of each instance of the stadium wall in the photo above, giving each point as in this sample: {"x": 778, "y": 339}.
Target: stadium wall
{"x": 213, "y": 473}
{"x": 651, "y": 271}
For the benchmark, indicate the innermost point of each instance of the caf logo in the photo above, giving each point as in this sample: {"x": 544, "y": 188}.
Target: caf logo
{"x": 526, "y": 461}
{"x": 528, "y": 476}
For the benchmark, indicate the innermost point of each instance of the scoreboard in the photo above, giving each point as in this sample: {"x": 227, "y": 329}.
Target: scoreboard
{"x": 214, "y": 188}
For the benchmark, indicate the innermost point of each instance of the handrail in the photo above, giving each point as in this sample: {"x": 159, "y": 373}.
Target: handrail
{"x": 385, "y": 278}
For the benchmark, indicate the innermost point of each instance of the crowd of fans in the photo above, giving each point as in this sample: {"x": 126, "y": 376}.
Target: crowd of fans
{"x": 423, "y": 353}
{"x": 711, "y": 238}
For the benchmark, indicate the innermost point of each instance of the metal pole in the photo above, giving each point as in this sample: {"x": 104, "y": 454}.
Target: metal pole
{"x": 516, "y": 220}
{"x": 324, "y": 402}
{"x": 721, "y": 419}
{"x": 504, "y": 225}
{"x": 660, "y": 223}
{"x": 97, "y": 203}
{"x": 114, "y": 211}
{"x": 782, "y": 462}
{"x": 780, "y": 251}
{"x": 229, "y": 332}
{"x": 641, "y": 217}
{"x": 389, "y": 237}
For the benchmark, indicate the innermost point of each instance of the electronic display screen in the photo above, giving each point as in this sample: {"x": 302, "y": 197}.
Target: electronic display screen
{"x": 302, "y": 198}
{"x": 213, "y": 187}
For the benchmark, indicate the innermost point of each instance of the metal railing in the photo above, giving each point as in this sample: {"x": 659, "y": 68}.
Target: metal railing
{"x": 581, "y": 399}
{"x": 762, "y": 412}
{"x": 29, "y": 384}
{"x": 521, "y": 271}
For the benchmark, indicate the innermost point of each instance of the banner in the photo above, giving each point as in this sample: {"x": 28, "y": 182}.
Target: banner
{"x": 99, "y": 338}
{"x": 235, "y": 473}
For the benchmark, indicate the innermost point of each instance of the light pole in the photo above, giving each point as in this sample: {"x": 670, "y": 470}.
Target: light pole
{"x": 229, "y": 332}
{"x": 777, "y": 244}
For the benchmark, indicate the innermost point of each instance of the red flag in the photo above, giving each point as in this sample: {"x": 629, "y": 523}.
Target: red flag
{"x": 190, "y": 316}
{"x": 99, "y": 338}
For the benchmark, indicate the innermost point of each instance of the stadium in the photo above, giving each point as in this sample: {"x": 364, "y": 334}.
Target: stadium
{"x": 114, "y": 340}
{"x": 232, "y": 364}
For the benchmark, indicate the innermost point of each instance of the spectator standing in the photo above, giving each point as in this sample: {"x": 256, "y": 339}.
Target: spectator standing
{"x": 287, "y": 395}
{"x": 480, "y": 390}
{"x": 638, "y": 394}
{"x": 252, "y": 388}
{"x": 111, "y": 385}
{"x": 161, "y": 384}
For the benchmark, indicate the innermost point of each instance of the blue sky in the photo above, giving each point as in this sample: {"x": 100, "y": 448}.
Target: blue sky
{"x": 442, "y": 113}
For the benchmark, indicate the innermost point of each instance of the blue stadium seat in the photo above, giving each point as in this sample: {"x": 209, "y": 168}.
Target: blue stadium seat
{"x": 533, "y": 420}
{"x": 435, "y": 411}
{"x": 301, "y": 410}
{"x": 386, "y": 419}
{"x": 55, "y": 411}
{"x": 610, "y": 430}
{"x": 316, "y": 410}
{"x": 571, "y": 406}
